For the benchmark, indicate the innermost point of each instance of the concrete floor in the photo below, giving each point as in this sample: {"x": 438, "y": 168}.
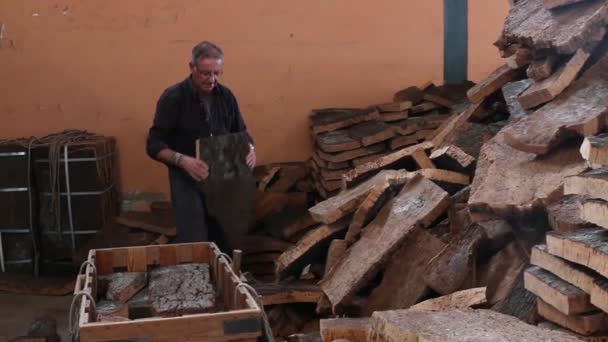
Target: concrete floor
{"x": 18, "y": 311}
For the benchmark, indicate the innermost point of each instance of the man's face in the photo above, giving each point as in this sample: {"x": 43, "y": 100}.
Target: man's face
{"x": 206, "y": 73}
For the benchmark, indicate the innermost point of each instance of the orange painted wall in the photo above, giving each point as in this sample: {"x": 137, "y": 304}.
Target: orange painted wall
{"x": 486, "y": 19}
{"x": 101, "y": 65}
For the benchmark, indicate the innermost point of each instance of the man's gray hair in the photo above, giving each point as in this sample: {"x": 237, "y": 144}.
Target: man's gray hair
{"x": 206, "y": 49}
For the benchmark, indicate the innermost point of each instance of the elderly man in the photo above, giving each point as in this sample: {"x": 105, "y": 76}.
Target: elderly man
{"x": 196, "y": 107}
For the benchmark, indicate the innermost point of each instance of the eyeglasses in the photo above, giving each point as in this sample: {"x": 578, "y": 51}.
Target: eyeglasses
{"x": 208, "y": 74}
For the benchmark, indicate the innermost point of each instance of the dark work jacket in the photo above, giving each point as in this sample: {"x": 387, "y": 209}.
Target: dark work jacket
{"x": 181, "y": 118}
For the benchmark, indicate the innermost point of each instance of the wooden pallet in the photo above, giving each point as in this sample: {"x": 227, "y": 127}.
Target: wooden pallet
{"x": 242, "y": 320}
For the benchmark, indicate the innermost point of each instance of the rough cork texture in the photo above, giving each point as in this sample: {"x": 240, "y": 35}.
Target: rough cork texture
{"x": 530, "y": 24}
{"x": 499, "y": 234}
{"x": 394, "y": 116}
{"x": 391, "y": 107}
{"x": 366, "y": 159}
{"x": 298, "y": 225}
{"x": 330, "y": 119}
{"x": 369, "y": 208}
{"x": 542, "y": 68}
{"x": 385, "y": 161}
{"x": 337, "y": 141}
{"x": 595, "y": 149}
{"x": 351, "y": 154}
{"x": 309, "y": 247}
{"x": 520, "y": 303}
{"x": 122, "y": 286}
{"x": 587, "y": 247}
{"x": 412, "y": 94}
{"x": 570, "y": 272}
{"x": 599, "y": 293}
{"x": 458, "y": 300}
{"x": 584, "y": 324}
{"x": 593, "y": 183}
{"x": 582, "y": 277}
{"x": 350, "y": 329}
{"x": 565, "y": 297}
{"x": 600, "y": 337}
{"x": 328, "y": 165}
{"x": 419, "y": 203}
{"x": 372, "y": 132}
{"x": 457, "y": 326}
{"x": 412, "y": 125}
{"x": 425, "y": 134}
{"x": 423, "y": 108}
{"x": 329, "y": 175}
{"x": 521, "y": 58}
{"x": 552, "y": 4}
{"x": 501, "y": 272}
{"x": 181, "y": 289}
{"x": 596, "y": 212}
{"x": 422, "y": 159}
{"x": 457, "y": 119}
{"x": 402, "y": 285}
{"x": 440, "y": 100}
{"x": 231, "y": 181}
{"x": 288, "y": 292}
{"x": 455, "y": 264}
{"x": 511, "y": 182}
{"x": 335, "y": 252}
{"x": 452, "y": 158}
{"x": 565, "y": 214}
{"x": 496, "y": 80}
{"x": 546, "y": 90}
{"x": 265, "y": 176}
{"x": 578, "y": 111}
{"x": 469, "y": 137}
{"x": 107, "y": 310}
{"x": 403, "y": 141}
{"x": 331, "y": 210}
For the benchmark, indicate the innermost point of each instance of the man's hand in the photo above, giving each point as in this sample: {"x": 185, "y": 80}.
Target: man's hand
{"x": 196, "y": 168}
{"x": 251, "y": 158}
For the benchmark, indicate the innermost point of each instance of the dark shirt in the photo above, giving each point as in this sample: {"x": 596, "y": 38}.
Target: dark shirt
{"x": 183, "y": 115}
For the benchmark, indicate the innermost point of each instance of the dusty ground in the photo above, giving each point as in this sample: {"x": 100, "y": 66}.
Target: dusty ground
{"x": 18, "y": 311}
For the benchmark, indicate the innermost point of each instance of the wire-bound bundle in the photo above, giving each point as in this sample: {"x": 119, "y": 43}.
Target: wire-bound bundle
{"x": 51, "y": 159}
{"x": 77, "y": 192}
{"x": 27, "y": 144}
{"x": 57, "y": 144}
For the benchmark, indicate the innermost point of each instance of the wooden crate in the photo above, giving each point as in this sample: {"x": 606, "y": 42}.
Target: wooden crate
{"x": 241, "y": 322}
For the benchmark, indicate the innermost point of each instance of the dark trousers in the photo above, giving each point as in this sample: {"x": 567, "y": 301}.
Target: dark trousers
{"x": 189, "y": 208}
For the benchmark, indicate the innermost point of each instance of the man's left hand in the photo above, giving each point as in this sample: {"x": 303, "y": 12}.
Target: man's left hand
{"x": 251, "y": 158}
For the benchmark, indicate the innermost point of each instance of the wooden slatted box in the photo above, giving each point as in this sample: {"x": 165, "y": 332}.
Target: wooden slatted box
{"x": 241, "y": 322}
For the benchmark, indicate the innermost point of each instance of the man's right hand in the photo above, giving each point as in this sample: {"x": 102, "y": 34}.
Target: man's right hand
{"x": 196, "y": 168}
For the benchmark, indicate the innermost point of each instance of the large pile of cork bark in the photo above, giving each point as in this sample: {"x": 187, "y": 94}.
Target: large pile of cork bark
{"x": 345, "y": 138}
{"x": 435, "y": 238}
